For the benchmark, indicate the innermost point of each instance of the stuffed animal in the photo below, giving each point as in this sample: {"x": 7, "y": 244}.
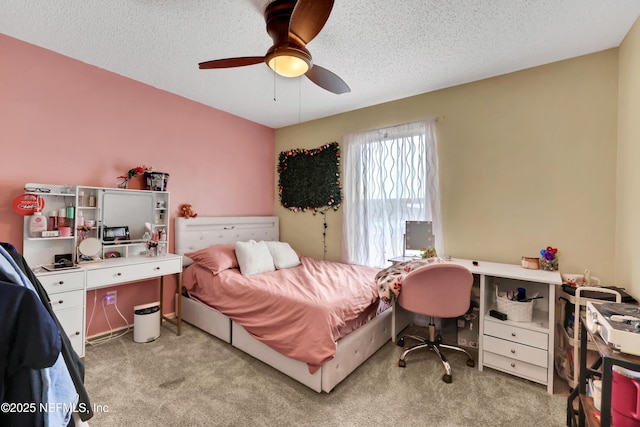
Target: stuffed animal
{"x": 187, "y": 212}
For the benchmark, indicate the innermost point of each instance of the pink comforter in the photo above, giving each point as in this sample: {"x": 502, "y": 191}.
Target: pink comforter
{"x": 301, "y": 312}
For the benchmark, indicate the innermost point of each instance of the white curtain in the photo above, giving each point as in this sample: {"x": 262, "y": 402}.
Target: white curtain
{"x": 390, "y": 176}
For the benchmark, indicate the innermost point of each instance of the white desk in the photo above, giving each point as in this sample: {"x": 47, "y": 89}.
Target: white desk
{"x": 67, "y": 288}
{"x": 115, "y": 271}
{"x": 524, "y": 349}
{"x": 118, "y": 271}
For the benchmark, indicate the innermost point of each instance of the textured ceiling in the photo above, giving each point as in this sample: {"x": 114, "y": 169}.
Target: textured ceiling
{"x": 383, "y": 49}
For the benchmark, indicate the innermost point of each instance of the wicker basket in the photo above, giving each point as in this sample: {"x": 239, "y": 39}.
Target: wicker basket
{"x": 516, "y": 311}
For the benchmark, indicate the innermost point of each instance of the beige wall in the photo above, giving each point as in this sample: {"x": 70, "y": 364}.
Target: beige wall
{"x": 627, "y": 251}
{"x": 526, "y": 160}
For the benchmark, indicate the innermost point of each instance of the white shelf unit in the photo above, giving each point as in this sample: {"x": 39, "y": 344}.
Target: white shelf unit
{"x": 116, "y": 207}
{"x": 41, "y": 250}
{"x": 524, "y": 349}
{"x": 567, "y": 354}
{"x": 109, "y": 206}
{"x": 87, "y": 208}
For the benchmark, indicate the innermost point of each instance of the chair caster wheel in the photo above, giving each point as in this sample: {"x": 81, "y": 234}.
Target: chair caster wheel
{"x": 400, "y": 342}
{"x": 471, "y": 363}
{"x": 402, "y": 363}
{"x": 447, "y": 378}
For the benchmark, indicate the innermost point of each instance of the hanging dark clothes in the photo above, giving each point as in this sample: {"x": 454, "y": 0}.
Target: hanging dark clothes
{"x": 29, "y": 340}
{"x": 72, "y": 360}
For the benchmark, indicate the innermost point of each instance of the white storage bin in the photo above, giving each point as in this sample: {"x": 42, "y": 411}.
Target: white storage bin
{"x": 516, "y": 311}
{"x": 146, "y": 322}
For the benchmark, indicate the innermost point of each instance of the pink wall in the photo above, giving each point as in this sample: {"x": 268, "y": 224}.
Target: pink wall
{"x": 65, "y": 122}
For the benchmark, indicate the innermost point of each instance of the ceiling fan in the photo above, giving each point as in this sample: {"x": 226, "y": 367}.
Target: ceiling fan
{"x": 292, "y": 25}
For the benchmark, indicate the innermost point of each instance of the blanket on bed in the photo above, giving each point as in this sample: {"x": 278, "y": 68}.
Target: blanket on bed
{"x": 301, "y": 312}
{"x": 389, "y": 280}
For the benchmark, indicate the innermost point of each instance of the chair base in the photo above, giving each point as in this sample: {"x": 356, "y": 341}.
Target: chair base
{"x": 434, "y": 343}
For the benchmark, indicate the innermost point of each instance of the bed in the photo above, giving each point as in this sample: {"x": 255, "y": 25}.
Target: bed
{"x": 351, "y": 350}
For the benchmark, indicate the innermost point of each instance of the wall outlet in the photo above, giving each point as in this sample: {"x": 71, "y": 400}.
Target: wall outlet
{"x": 111, "y": 297}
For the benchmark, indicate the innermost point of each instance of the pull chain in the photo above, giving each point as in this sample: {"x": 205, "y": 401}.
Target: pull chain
{"x": 274, "y": 84}
{"x": 299, "y": 100}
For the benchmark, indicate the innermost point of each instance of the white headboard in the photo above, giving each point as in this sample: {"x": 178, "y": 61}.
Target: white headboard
{"x": 200, "y": 232}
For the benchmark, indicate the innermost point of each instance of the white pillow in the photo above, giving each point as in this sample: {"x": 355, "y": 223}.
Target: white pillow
{"x": 283, "y": 255}
{"x": 254, "y": 258}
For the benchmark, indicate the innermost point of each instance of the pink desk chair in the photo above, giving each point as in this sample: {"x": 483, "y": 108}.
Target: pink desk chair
{"x": 437, "y": 290}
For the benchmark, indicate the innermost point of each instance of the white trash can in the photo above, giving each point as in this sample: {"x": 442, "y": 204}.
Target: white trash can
{"x": 146, "y": 322}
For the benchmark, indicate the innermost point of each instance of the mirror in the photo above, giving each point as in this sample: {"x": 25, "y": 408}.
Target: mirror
{"x": 419, "y": 235}
{"x": 89, "y": 249}
{"x": 128, "y": 208}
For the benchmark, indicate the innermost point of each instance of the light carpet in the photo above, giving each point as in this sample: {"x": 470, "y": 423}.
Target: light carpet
{"x": 197, "y": 380}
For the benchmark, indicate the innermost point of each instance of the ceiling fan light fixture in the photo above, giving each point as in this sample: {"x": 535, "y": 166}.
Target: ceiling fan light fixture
{"x": 291, "y": 24}
{"x": 289, "y": 62}
{"x": 288, "y": 66}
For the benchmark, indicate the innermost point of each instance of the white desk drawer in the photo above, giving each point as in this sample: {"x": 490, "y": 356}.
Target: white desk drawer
{"x": 516, "y": 351}
{"x": 72, "y": 324}
{"x": 65, "y": 300}
{"x": 515, "y": 367}
{"x": 97, "y": 277}
{"x": 62, "y": 281}
{"x": 516, "y": 334}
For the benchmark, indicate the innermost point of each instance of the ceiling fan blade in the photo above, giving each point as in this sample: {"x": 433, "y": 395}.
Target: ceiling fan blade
{"x": 308, "y": 18}
{"x": 327, "y": 80}
{"x": 231, "y": 62}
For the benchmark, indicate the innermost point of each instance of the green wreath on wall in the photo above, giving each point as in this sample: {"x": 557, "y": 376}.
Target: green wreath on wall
{"x": 310, "y": 180}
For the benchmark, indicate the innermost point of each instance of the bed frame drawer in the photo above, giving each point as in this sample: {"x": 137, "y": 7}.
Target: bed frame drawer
{"x": 206, "y": 318}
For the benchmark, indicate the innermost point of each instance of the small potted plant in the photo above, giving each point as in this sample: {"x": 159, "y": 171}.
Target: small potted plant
{"x": 549, "y": 259}
{"x": 131, "y": 176}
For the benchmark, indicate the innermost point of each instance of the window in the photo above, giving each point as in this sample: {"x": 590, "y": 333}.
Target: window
{"x": 390, "y": 176}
